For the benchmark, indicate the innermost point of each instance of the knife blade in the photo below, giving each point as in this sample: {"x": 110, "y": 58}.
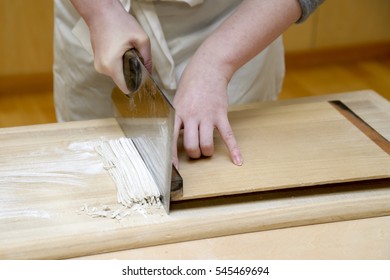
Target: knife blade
{"x": 147, "y": 117}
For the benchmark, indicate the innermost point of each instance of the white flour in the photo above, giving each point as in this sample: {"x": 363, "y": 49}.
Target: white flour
{"x": 48, "y": 169}
{"x": 52, "y": 165}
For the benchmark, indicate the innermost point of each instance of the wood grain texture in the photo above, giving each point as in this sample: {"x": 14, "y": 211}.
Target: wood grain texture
{"x": 363, "y": 239}
{"x": 68, "y": 235}
{"x": 44, "y": 220}
{"x": 285, "y": 147}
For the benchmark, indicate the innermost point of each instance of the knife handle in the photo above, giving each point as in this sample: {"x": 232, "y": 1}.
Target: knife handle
{"x": 132, "y": 70}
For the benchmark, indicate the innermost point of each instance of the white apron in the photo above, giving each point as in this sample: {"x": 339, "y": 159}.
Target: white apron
{"x": 176, "y": 28}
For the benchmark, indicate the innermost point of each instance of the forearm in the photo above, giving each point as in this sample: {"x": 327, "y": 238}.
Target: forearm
{"x": 250, "y": 29}
{"x": 93, "y": 10}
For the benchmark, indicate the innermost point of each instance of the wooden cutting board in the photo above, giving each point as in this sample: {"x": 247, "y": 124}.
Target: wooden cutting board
{"x": 49, "y": 174}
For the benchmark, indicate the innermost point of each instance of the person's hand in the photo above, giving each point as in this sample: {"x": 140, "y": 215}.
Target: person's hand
{"x": 113, "y": 31}
{"x": 201, "y": 105}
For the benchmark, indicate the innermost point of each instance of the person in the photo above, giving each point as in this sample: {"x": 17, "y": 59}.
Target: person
{"x": 204, "y": 54}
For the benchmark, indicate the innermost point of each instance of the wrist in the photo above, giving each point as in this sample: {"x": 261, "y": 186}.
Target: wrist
{"x": 215, "y": 60}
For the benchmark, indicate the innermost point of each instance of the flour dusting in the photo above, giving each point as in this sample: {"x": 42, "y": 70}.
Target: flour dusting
{"x": 119, "y": 211}
{"x": 53, "y": 165}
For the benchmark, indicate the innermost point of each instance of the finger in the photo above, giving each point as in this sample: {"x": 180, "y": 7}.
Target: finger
{"x": 143, "y": 47}
{"x": 228, "y": 138}
{"x": 119, "y": 78}
{"x": 206, "y": 141}
{"x": 191, "y": 139}
{"x": 113, "y": 68}
{"x": 148, "y": 63}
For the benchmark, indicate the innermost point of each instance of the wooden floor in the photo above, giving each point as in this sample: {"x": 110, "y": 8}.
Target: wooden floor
{"x": 334, "y": 77}
{"x": 25, "y": 107}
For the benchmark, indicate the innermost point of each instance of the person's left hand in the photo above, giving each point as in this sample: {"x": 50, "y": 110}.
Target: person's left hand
{"x": 201, "y": 104}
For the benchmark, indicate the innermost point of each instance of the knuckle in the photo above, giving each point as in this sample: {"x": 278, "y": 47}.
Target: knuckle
{"x": 102, "y": 65}
{"x": 229, "y": 139}
{"x": 143, "y": 40}
{"x": 228, "y": 135}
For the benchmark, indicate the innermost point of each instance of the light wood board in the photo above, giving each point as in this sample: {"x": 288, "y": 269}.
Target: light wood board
{"x": 43, "y": 218}
{"x": 284, "y": 147}
{"x": 362, "y": 239}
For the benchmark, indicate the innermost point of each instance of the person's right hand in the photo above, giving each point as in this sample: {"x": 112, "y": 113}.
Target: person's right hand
{"x": 113, "y": 31}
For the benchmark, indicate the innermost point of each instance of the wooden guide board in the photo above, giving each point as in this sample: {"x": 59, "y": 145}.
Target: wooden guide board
{"x": 49, "y": 172}
{"x": 284, "y": 147}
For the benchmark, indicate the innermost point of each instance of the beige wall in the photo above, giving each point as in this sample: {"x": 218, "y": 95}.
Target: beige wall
{"x": 26, "y": 29}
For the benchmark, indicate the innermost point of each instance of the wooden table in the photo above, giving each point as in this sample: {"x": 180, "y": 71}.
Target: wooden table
{"x": 347, "y": 219}
{"x": 361, "y": 239}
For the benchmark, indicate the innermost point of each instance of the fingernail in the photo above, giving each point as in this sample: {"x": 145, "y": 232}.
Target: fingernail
{"x": 237, "y": 160}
